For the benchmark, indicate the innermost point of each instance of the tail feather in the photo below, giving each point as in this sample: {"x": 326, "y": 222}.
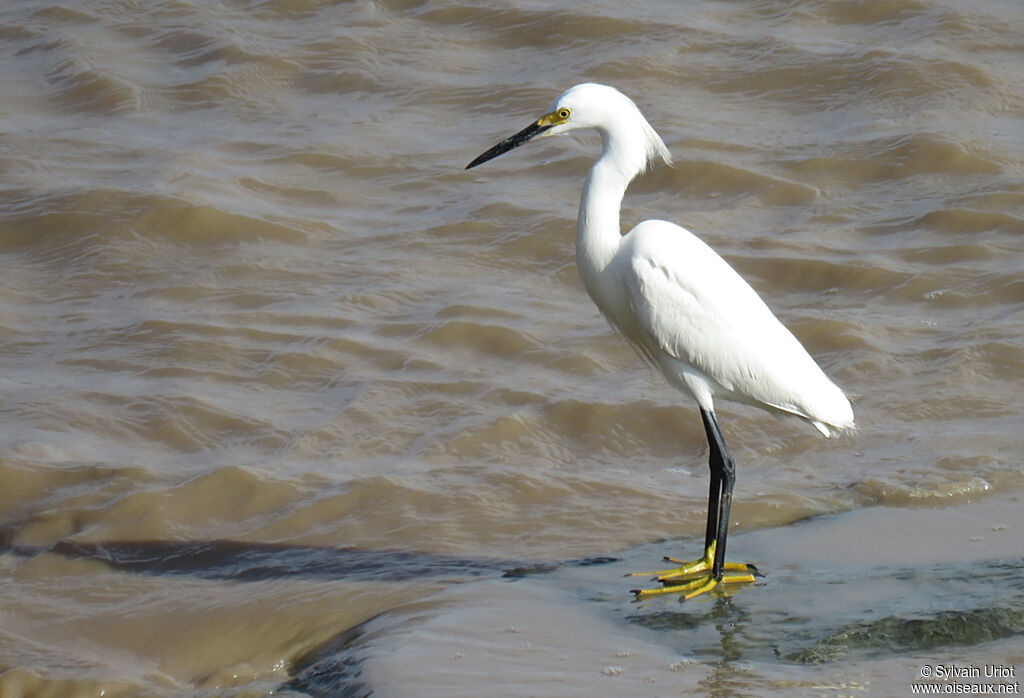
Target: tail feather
{"x": 830, "y": 430}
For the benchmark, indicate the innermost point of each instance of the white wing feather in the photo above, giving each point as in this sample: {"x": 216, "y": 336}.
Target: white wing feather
{"x": 691, "y": 310}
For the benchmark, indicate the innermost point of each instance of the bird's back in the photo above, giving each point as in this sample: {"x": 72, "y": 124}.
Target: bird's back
{"x": 708, "y": 331}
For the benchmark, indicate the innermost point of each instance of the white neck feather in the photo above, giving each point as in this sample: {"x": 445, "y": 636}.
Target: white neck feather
{"x": 597, "y": 227}
{"x": 630, "y": 145}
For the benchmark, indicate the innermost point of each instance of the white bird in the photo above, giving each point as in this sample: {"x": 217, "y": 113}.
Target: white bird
{"x": 683, "y": 308}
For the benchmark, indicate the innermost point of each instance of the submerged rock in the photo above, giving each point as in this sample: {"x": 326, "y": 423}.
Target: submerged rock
{"x": 946, "y": 629}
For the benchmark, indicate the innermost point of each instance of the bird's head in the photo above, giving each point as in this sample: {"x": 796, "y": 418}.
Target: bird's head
{"x": 625, "y": 132}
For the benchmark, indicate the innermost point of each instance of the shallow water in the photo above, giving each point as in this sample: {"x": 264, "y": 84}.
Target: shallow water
{"x": 274, "y": 363}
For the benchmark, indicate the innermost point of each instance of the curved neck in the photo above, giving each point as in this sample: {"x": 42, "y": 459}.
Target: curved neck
{"x": 597, "y": 226}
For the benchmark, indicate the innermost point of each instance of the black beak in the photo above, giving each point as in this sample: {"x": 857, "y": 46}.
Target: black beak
{"x": 510, "y": 143}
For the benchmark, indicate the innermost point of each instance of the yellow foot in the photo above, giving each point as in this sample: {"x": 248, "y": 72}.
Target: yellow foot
{"x": 694, "y": 578}
{"x": 686, "y": 569}
{"x": 697, "y": 585}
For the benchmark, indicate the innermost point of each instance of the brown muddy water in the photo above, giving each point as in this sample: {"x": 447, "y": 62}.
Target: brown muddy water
{"x": 292, "y": 403}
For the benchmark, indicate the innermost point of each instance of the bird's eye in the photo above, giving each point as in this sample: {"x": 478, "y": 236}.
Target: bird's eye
{"x": 563, "y": 113}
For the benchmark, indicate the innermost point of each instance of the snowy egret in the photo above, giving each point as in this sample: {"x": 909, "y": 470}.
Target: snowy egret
{"x": 684, "y": 309}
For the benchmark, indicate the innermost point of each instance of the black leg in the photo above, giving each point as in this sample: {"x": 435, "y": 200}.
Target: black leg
{"x": 723, "y": 470}
{"x": 692, "y": 578}
{"x": 713, "y": 499}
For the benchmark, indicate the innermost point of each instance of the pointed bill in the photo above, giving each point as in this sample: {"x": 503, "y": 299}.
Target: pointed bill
{"x": 555, "y": 118}
{"x": 511, "y": 142}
